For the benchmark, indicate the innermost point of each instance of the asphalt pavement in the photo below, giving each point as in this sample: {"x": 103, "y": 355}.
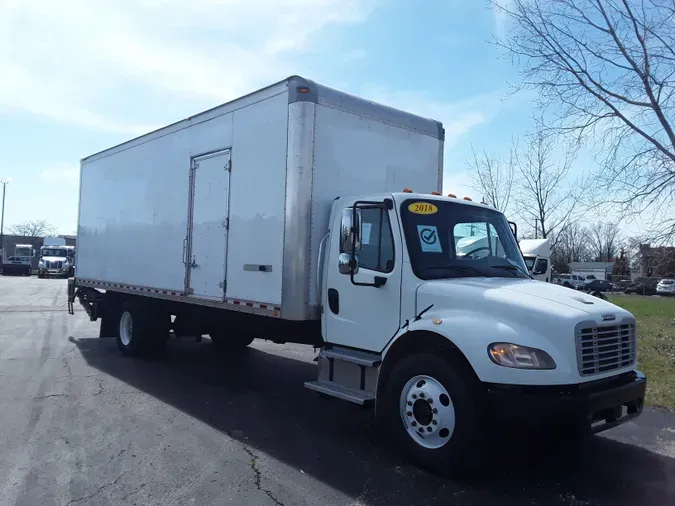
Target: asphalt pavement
{"x": 81, "y": 425}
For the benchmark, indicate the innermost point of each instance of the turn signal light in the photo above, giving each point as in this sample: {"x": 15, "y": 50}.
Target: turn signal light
{"x": 407, "y": 190}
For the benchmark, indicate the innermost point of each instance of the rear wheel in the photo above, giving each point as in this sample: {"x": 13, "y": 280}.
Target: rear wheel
{"x": 142, "y": 329}
{"x": 429, "y": 411}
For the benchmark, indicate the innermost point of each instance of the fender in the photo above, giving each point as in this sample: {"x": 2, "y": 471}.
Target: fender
{"x": 467, "y": 334}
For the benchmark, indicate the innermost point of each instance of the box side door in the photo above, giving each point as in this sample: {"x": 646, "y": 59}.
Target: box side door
{"x": 206, "y": 249}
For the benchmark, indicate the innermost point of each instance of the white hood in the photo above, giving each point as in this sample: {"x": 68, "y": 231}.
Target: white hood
{"x": 507, "y": 298}
{"x": 474, "y": 312}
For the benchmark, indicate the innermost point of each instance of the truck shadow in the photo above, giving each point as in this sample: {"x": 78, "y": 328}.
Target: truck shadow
{"x": 258, "y": 397}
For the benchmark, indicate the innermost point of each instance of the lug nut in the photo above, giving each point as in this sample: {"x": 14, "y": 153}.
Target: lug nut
{"x": 434, "y": 411}
{"x": 409, "y": 413}
{"x": 414, "y": 396}
{"x": 421, "y": 395}
{"x": 430, "y": 400}
{"x": 409, "y": 403}
{"x": 421, "y": 429}
{"x": 414, "y": 423}
{"x": 434, "y": 422}
{"x": 429, "y": 429}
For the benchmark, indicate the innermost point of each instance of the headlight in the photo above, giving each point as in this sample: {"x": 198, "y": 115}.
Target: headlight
{"x": 519, "y": 357}
{"x": 41, "y": 263}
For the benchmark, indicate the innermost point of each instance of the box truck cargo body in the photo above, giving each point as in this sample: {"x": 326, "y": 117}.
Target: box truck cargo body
{"x": 228, "y": 208}
{"x": 290, "y": 215}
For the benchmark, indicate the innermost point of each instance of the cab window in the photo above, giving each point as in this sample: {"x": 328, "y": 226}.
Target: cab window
{"x": 377, "y": 243}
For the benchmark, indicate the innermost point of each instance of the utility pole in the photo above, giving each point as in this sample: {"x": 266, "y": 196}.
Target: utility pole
{"x": 5, "y": 182}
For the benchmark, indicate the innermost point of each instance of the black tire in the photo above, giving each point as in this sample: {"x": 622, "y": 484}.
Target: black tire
{"x": 463, "y": 453}
{"x": 224, "y": 343}
{"x": 149, "y": 329}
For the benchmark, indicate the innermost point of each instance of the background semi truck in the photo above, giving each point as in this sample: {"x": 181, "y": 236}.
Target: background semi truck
{"x": 284, "y": 215}
{"x": 537, "y": 255}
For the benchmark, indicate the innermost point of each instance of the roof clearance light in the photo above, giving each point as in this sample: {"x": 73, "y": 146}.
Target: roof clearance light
{"x": 452, "y": 195}
{"x": 303, "y": 90}
{"x": 467, "y": 198}
{"x": 407, "y": 190}
{"x": 435, "y": 193}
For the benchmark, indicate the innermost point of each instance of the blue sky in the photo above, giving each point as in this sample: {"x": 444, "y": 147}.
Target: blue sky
{"x": 80, "y": 76}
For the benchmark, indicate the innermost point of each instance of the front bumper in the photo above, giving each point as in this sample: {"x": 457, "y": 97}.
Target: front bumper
{"x": 55, "y": 272}
{"x": 595, "y": 406}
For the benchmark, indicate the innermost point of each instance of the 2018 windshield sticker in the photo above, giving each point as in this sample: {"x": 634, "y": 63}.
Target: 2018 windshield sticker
{"x": 429, "y": 241}
{"x": 422, "y": 208}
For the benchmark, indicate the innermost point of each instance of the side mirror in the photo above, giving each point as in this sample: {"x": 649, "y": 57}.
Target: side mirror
{"x": 540, "y": 267}
{"x": 348, "y": 264}
{"x": 350, "y": 234}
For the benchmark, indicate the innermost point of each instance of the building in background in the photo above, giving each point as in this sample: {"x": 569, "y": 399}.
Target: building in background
{"x": 601, "y": 270}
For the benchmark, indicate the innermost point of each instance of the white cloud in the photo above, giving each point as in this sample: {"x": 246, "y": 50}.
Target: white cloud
{"x": 501, "y": 18}
{"x": 458, "y": 117}
{"x": 64, "y": 173}
{"x": 64, "y": 60}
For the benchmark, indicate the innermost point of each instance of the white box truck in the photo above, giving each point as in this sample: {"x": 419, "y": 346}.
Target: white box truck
{"x": 284, "y": 215}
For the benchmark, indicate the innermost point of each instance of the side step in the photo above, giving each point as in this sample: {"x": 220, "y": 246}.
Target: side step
{"x": 352, "y": 356}
{"x": 360, "y": 397}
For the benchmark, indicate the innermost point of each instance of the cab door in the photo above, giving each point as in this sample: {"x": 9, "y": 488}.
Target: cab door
{"x": 363, "y": 311}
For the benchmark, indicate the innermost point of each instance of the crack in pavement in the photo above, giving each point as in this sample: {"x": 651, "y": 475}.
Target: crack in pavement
{"x": 258, "y": 475}
{"x": 119, "y": 454}
{"x": 98, "y": 491}
{"x": 136, "y": 491}
{"x": 51, "y": 395}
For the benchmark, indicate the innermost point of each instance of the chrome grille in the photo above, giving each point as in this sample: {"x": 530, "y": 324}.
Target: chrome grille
{"x": 54, "y": 264}
{"x": 602, "y": 349}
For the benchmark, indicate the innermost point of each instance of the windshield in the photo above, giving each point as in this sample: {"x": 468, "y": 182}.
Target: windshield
{"x": 450, "y": 240}
{"x": 529, "y": 262}
{"x": 54, "y": 252}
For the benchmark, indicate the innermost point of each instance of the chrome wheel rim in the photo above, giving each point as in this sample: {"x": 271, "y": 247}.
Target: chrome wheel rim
{"x": 427, "y": 412}
{"x": 126, "y": 328}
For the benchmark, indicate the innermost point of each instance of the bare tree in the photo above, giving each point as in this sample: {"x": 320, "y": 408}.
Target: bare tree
{"x": 34, "y": 228}
{"x": 544, "y": 195}
{"x": 604, "y": 70}
{"x": 493, "y": 178}
{"x": 603, "y": 240}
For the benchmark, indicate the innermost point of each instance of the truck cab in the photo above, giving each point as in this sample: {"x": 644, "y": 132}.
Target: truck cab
{"x": 54, "y": 261}
{"x": 537, "y": 256}
{"x": 429, "y": 311}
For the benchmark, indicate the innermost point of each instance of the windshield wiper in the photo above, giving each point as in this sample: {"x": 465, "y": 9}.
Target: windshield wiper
{"x": 462, "y": 268}
{"x": 511, "y": 268}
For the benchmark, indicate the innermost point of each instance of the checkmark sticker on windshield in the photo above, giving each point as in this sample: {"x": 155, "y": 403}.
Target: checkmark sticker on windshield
{"x": 429, "y": 240}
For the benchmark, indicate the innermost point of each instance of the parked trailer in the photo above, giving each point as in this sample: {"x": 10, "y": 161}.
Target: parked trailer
{"x": 279, "y": 216}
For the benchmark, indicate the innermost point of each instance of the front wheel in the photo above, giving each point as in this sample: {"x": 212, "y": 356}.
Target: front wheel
{"x": 430, "y": 412}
